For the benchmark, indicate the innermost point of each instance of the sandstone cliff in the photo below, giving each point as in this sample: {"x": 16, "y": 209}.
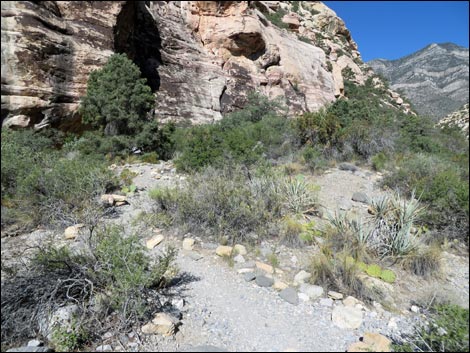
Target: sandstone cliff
{"x": 435, "y": 79}
{"x": 201, "y": 58}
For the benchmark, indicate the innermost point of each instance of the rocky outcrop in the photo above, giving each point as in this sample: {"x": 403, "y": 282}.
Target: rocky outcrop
{"x": 459, "y": 118}
{"x": 201, "y": 58}
{"x": 435, "y": 79}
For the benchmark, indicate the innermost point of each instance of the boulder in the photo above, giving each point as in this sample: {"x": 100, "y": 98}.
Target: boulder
{"x": 223, "y": 250}
{"x": 347, "y": 317}
{"x": 154, "y": 241}
{"x": 73, "y": 231}
{"x": 264, "y": 281}
{"x": 188, "y": 244}
{"x": 313, "y": 291}
{"x": 240, "y": 249}
{"x": 163, "y": 324}
{"x": 301, "y": 277}
{"x": 360, "y": 197}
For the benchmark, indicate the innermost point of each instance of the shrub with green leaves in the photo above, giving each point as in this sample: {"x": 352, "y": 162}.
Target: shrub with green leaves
{"x": 447, "y": 331}
{"x": 111, "y": 273}
{"x": 117, "y": 98}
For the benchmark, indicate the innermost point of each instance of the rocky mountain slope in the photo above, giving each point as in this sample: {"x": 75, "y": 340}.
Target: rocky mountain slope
{"x": 201, "y": 58}
{"x": 435, "y": 78}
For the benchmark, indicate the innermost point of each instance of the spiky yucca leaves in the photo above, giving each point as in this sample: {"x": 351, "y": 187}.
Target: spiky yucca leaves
{"x": 299, "y": 195}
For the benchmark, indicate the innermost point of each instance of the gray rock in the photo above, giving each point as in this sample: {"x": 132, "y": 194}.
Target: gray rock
{"x": 104, "y": 348}
{"x": 195, "y": 256}
{"x": 301, "y": 277}
{"x": 205, "y": 349}
{"x": 249, "y": 276}
{"x": 328, "y": 302}
{"x": 360, "y": 197}
{"x": 290, "y": 295}
{"x": 312, "y": 291}
{"x": 348, "y": 166}
{"x": 264, "y": 281}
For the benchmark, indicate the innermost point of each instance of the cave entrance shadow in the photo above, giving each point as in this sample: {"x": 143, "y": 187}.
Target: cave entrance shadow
{"x": 136, "y": 35}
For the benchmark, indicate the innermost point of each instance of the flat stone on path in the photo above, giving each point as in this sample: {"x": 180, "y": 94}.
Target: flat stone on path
{"x": 290, "y": 295}
{"x": 348, "y": 166}
{"x": 264, "y": 267}
{"x": 264, "y": 281}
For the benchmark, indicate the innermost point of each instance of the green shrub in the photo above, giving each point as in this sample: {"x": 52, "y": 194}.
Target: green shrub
{"x": 247, "y": 136}
{"x": 39, "y": 185}
{"x": 223, "y": 203}
{"x": 314, "y": 159}
{"x": 378, "y": 161}
{"x": 151, "y": 157}
{"x": 68, "y": 339}
{"x": 117, "y": 98}
{"x": 447, "y": 332}
{"x": 276, "y": 18}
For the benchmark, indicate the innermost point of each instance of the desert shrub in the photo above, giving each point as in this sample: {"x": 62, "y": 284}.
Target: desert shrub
{"x": 447, "y": 331}
{"x": 291, "y": 229}
{"x": 224, "y": 202}
{"x": 111, "y": 275}
{"x": 441, "y": 184}
{"x": 276, "y": 18}
{"x": 151, "y": 157}
{"x": 335, "y": 271}
{"x": 424, "y": 261}
{"x": 313, "y": 158}
{"x": 247, "y": 136}
{"x": 42, "y": 186}
{"x": 379, "y": 161}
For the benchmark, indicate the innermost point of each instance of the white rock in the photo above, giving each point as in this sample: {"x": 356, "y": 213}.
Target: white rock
{"x": 223, "y": 250}
{"x": 239, "y": 259}
{"x": 335, "y": 295}
{"x": 312, "y": 291}
{"x": 34, "y": 343}
{"x": 414, "y": 309}
{"x": 347, "y": 317}
{"x": 301, "y": 277}
{"x": 73, "y": 231}
{"x": 104, "y": 348}
{"x": 188, "y": 244}
{"x": 304, "y": 297}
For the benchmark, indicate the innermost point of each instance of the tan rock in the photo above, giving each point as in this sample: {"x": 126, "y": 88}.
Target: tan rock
{"x": 163, "y": 324}
{"x": 73, "y": 231}
{"x": 188, "y": 244}
{"x": 291, "y": 20}
{"x": 264, "y": 267}
{"x": 240, "y": 249}
{"x": 120, "y": 203}
{"x": 372, "y": 342}
{"x": 154, "y": 241}
{"x": 223, "y": 250}
{"x": 335, "y": 295}
{"x": 279, "y": 285}
{"x": 350, "y": 301}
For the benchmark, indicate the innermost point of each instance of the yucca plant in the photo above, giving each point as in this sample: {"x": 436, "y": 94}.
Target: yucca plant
{"x": 298, "y": 194}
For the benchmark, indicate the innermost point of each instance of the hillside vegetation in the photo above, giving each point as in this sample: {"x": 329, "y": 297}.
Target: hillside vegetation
{"x": 246, "y": 181}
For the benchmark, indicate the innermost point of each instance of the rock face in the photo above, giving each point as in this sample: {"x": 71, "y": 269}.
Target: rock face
{"x": 435, "y": 79}
{"x": 201, "y": 58}
{"x": 459, "y": 118}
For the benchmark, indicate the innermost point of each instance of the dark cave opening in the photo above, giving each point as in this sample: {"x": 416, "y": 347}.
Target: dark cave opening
{"x": 136, "y": 34}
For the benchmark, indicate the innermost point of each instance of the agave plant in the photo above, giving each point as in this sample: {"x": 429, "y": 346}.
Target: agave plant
{"x": 298, "y": 194}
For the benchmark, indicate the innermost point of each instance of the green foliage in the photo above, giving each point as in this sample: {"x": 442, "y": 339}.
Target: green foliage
{"x": 299, "y": 195}
{"x": 447, "y": 332}
{"x": 68, "y": 339}
{"x": 442, "y": 184}
{"x": 223, "y": 203}
{"x": 246, "y": 136}
{"x": 151, "y": 157}
{"x": 388, "y": 276}
{"x": 305, "y": 39}
{"x": 313, "y": 158}
{"x": 374, "y": 270}
{"x": 45, "y": 187}
{"x": 276, "y": 18}
{"x": 117, "y": 99}
{"x": 378, "y": 161}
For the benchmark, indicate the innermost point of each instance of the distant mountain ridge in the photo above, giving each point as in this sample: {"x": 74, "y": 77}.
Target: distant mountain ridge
{"x": 435, "y": 79}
